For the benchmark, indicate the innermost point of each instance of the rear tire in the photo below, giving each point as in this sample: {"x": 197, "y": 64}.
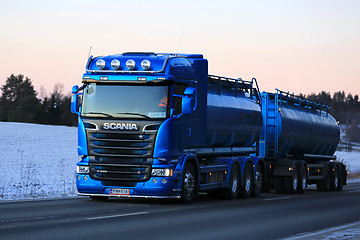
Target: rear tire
{"x": 189, "y": 184}
{"x": 258, "y": 180}
{"x": 291, "y": 183}
{"x": 335, "y": 179}
{"x": 248, "y": 187}
{"x": 342, "y": 178}
{"x": 232, "y": 192}
{"x": 278, "y": 184}
{"x": 302, "y": 180}
{"x": 325, "y": 183}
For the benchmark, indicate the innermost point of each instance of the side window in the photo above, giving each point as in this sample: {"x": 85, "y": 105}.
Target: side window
{"x": 179, "y": 90}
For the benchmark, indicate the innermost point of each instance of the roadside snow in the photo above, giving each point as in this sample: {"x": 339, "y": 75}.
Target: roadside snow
{"x": 37, "y": 161}
{"x": 350, "y": 159}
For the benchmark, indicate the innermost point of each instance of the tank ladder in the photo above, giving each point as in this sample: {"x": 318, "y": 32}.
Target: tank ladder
{"x": 272, "y": 125}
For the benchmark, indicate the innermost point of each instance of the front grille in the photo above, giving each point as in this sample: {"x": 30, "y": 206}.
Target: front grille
{"x": 121, "y": 144}
{"x": 120, "y": 156}
{"x": 120, "y": 172}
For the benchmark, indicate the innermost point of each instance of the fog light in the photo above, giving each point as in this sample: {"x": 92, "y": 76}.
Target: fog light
{"x": 163, "y": 180}
{"x": 78, "y": 178}
{"x": 154, "y": 180}
{"x": 85, "y": 178}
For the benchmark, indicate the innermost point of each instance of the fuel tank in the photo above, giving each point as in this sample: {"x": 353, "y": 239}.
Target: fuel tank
{"x": 233, "y": 118}
{"x": 295, "y": 127}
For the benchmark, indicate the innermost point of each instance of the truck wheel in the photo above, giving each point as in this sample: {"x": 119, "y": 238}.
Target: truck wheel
{"x": 247, "y": 189}
{"x": 189, "y": 184}
{"x": 291, "y": 183}
{"x": 341, "y": 178}
{"x": 279, "y": 186}
{"x": 99, "y": 198}
{"x": 259, "y": 180}
{"x": 302, "y": 180}
{"x": 335, "y": 179}
{"x": 324, "y": 184}
{"x": 232, "y": 192}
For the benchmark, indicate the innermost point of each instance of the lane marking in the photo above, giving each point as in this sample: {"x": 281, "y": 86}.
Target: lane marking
{"x": 273, "y": 199}
{"x": 119, "y": 215}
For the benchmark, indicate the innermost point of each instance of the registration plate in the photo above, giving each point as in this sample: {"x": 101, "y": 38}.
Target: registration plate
{"x": 119, "y": 191}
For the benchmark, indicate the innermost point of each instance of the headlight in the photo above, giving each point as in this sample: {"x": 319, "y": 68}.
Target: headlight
{"x": 100, "y": 64}
{"x": 82, "y": 169}
{"x": 162, "y": 172}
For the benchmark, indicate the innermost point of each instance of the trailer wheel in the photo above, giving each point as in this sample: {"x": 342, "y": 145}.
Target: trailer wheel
{"x": 278, "y": 184}
{"x": 232, "y": 192}
{"x": 259, "y": 180}
{"x": 291, "y": 183}
{"x": 99, "y": 198}
{"x": 324, "y": 184}
{"x": 189, "y": 184}
{"x": 247, "y": 189}
{"x": 302, "y": 180}
{"x": 341, "y": 178}
{"x": 335, "y": 179}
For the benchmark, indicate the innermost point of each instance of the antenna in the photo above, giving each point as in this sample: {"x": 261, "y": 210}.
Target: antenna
{"x": 182, "y": 34}
{"x": 90, "y": 51}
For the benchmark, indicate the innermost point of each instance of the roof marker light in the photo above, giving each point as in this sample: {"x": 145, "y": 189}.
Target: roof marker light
{"x": 115, "y": 64}
{"x": 100, "y": 64}
{"x": 130, "y": 64}
{"x": 145, "y": 64}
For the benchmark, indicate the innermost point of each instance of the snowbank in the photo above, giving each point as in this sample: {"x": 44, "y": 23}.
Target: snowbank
{"x": 37, "y": 161}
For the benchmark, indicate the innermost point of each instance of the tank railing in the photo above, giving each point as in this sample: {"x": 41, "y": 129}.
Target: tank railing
{"x": 236, "y": 84}
{"x": 288, "y": 98}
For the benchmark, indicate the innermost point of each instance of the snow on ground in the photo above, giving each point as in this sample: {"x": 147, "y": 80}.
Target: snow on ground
{"x": 351, "y": 160}
{"x": 37, "y": 161}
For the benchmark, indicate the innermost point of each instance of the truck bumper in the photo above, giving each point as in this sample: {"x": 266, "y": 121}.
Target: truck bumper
{"x": 156, "y": 187}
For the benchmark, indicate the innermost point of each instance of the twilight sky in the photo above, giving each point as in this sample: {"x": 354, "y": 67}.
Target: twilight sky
{"x": 298, "y": 46}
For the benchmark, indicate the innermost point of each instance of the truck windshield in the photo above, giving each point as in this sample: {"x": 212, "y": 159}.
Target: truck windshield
{"x": 121, "y": 101}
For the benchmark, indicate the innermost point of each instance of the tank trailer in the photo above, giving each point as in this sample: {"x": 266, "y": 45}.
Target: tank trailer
{"x": 159, "y": 126}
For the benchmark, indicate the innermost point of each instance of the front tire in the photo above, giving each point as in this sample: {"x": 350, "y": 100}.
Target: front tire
{"x": 189, "y": 184}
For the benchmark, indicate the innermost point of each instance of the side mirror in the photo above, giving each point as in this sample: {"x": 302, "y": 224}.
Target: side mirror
{"x": 74, "y": 89}
{"x": 189, "y": 101}
{"x": 75, "y": 100}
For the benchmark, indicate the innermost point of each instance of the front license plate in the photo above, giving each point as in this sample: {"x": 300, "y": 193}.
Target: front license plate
{"x": 119, "y": 191}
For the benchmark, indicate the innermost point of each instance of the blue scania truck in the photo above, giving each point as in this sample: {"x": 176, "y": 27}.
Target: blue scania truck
{"x": 159, "y": 126}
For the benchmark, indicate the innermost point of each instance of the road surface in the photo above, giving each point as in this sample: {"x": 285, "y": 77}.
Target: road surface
{"x": 270, "y": 216}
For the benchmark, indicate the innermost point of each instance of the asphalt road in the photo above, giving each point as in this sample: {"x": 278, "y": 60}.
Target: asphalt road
{"x": 270, "y": 216}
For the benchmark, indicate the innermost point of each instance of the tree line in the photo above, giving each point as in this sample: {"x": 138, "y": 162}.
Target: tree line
{"x": 20, "y": 102}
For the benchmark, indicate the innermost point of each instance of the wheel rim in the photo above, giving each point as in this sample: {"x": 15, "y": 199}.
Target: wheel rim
{"x": 189, "y": 182}
{"x": 234, "y": 185}
{"x": 247, "y": 182}
{"x": 303, "y": 182}
{"x": 336, "y": 179}
{"x": 295, "y": 179}
{"x": 258, "y": 177}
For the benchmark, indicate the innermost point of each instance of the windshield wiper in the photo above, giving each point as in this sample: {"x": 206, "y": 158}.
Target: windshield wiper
{"x": 136, "y": 114}
{"x": 105, "y": 114}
